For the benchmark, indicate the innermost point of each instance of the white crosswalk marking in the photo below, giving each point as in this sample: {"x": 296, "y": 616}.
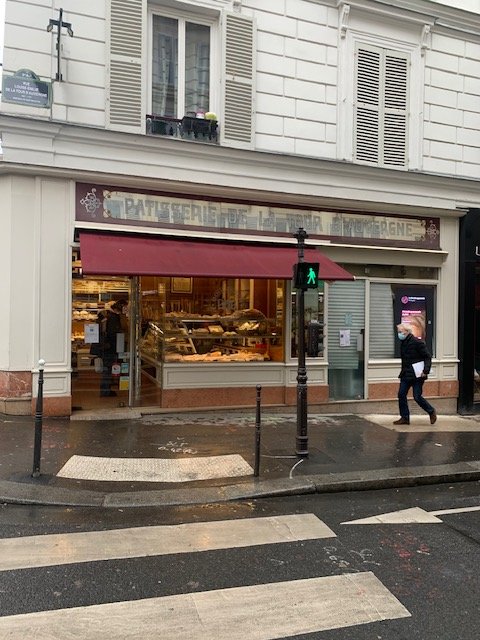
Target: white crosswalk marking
{"x": 261, "y": 612}
{"x": 269, "y": 611}
{"x": 42, "y": 551}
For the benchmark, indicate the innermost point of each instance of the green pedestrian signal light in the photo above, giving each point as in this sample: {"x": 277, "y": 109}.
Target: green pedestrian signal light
{"x": 305, "y": 275}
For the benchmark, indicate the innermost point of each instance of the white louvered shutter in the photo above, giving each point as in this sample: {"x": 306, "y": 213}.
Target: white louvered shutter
{"x": 395, "y": 110}
{"x": 382, "y": 321}
{"x": 381, "y": 104}
{"x": 125, "y": 109}
{"x": 345, "y": 299}
{"x": 238, "y": 80}
{"x": 367, "y": 112}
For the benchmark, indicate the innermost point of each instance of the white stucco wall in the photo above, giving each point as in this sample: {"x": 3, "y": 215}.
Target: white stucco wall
{"x": 35, "y": 261}
{"x": 28, "y": 45}
{"x": 17, "y": 224}
{"x": 305, "y": 67}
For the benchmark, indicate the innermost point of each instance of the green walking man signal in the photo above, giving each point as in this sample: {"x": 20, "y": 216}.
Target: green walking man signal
{"x": 305, "y": 275}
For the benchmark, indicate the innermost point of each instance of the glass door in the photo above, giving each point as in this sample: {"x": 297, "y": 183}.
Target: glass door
{"x": 100, "y": 342}
{"x": 346, "y": 340}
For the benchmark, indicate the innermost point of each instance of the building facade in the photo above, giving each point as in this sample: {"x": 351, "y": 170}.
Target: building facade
{"x": 160, "y": 156}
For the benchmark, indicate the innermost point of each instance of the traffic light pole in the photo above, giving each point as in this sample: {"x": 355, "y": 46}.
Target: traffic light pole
{"x": 301, "y": 448}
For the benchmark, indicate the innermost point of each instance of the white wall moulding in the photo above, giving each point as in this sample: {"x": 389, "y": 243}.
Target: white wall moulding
{"x": 344, "y": 15}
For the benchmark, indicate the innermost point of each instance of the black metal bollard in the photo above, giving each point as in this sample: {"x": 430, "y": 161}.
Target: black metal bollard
{"x": 256, "y": 472}
{"x": 37, "y": 447}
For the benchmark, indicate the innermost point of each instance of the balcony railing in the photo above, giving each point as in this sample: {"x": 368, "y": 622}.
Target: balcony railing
{"x": 188, "y": 127}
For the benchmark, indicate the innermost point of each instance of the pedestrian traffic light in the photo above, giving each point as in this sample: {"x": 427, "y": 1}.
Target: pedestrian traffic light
{"x": 305, "y": 275}
{"x": 315, "y": 338}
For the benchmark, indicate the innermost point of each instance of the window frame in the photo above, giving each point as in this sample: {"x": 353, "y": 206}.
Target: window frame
{"x": 183, "y": 17}
{"x": 406, "y": 284}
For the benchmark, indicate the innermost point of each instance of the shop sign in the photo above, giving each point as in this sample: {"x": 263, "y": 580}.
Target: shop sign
{"x": 96, "y": 203}
{"x": 26, "y": 88}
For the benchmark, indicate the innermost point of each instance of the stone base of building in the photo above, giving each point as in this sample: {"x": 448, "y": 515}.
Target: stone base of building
{"x": 15, "y": 392}
{"x": 15, "y": 406}
{"x": 276, "y": 399}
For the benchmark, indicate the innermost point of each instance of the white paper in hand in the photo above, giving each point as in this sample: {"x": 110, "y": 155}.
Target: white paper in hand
{"x": 418, "y": 368}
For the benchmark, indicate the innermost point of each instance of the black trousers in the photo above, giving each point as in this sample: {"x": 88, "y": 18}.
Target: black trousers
{"x": 106, "y": 380}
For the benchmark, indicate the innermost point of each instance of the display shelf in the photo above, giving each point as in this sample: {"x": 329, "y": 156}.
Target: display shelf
{"x": 242, "y": 337}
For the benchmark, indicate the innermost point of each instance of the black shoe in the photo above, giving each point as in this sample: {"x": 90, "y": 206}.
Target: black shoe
{"x": 107, "y": 394}
{"x": 433, "y": 417}
{"x": 401, "y": 421}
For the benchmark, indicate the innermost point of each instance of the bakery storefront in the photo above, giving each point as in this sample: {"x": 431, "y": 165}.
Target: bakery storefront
{"x": 200, "y": 321}
{"x": 200, "y": 296}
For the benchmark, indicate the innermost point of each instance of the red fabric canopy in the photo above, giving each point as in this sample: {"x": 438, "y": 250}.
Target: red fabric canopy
{"x": 114, "y": 254}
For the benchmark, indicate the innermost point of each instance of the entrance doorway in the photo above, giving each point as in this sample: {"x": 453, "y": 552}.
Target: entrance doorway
{"x": 346, "y": 340}
{"x": 101, "y": 343}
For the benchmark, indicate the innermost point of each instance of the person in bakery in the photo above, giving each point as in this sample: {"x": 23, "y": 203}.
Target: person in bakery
{"x": 112, "y": 326}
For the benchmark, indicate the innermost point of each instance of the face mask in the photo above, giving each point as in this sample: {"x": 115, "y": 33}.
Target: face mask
{"x": 401, "y": 336}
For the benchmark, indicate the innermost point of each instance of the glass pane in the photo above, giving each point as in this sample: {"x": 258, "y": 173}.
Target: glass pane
{"x": 382, "y": 321}
{"x": 165, "y": 67}
{"x": 346, "y": 330}
{"x": 197, "y": 68}
{"x": 313, "y": 299}
{"x": 205, "y": 320}
{"x": 101, "y": 349}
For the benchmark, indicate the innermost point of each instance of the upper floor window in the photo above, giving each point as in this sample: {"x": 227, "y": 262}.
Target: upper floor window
{"x": 381, "y": 106}
{"x": 181, "y": 67}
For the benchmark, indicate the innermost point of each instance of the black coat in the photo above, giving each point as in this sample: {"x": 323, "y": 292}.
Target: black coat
{"x": 413, "y": 350}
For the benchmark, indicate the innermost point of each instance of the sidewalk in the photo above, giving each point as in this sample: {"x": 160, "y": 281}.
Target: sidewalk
{"x": 157, "y": 460}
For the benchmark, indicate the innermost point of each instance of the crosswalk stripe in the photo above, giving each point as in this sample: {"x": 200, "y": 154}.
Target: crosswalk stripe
{"x": 261, "y": 612}
{"x": 47, "y": 550}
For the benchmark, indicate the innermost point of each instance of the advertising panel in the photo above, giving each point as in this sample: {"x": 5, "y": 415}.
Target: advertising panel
{"x": 414, "y": 308}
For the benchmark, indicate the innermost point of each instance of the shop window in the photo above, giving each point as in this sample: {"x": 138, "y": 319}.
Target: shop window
{"x": 314, "y": 306}
{"x": 392, "y": 304}
{"x": 186, "y": 320}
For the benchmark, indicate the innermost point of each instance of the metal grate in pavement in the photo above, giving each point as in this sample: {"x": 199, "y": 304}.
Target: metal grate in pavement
{"x": 154, "y": 469}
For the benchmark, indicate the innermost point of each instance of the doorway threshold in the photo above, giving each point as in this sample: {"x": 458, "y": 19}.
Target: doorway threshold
{"x": 111, "y": 413}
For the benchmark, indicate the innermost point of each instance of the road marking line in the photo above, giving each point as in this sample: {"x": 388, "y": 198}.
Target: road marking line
{"x": 259, "y": 612}
{"x": 415, "y": 515}
{"x": 459, "y": 510}
{"x": 90, "y": 546}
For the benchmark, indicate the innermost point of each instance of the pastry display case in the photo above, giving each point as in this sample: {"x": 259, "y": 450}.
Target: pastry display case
{"x": 243, "y": 336}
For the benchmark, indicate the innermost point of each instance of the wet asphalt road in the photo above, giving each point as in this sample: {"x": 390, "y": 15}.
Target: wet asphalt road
{"x": 432, "y": 569}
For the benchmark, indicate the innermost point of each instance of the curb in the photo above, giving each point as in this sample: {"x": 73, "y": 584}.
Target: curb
{"x": 28, "y": 494}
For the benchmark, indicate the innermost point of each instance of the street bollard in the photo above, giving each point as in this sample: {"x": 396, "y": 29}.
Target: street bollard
{"x": 256, "y": 472}
{"x": 37, "y": 447}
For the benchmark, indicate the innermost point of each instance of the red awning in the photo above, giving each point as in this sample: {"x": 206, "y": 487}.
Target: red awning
{"x": 114, "y": 254}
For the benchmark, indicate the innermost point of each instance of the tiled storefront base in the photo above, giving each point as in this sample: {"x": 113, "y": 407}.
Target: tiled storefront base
{"x": 15, "y": 392}
{"x": 382, "y": 399}
{"x": 54, "y": 406}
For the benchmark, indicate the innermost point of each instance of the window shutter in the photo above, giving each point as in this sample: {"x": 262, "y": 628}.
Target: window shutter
{"x": 238, "y": 80}
{"x": 125, "y": 69}
{"x": 382, "y": 338}
{"x": 338, "y": 308}
{"x": 368, "y": 105}
{"x": 395, "y": 118}
{"x": 381, "y": 107}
